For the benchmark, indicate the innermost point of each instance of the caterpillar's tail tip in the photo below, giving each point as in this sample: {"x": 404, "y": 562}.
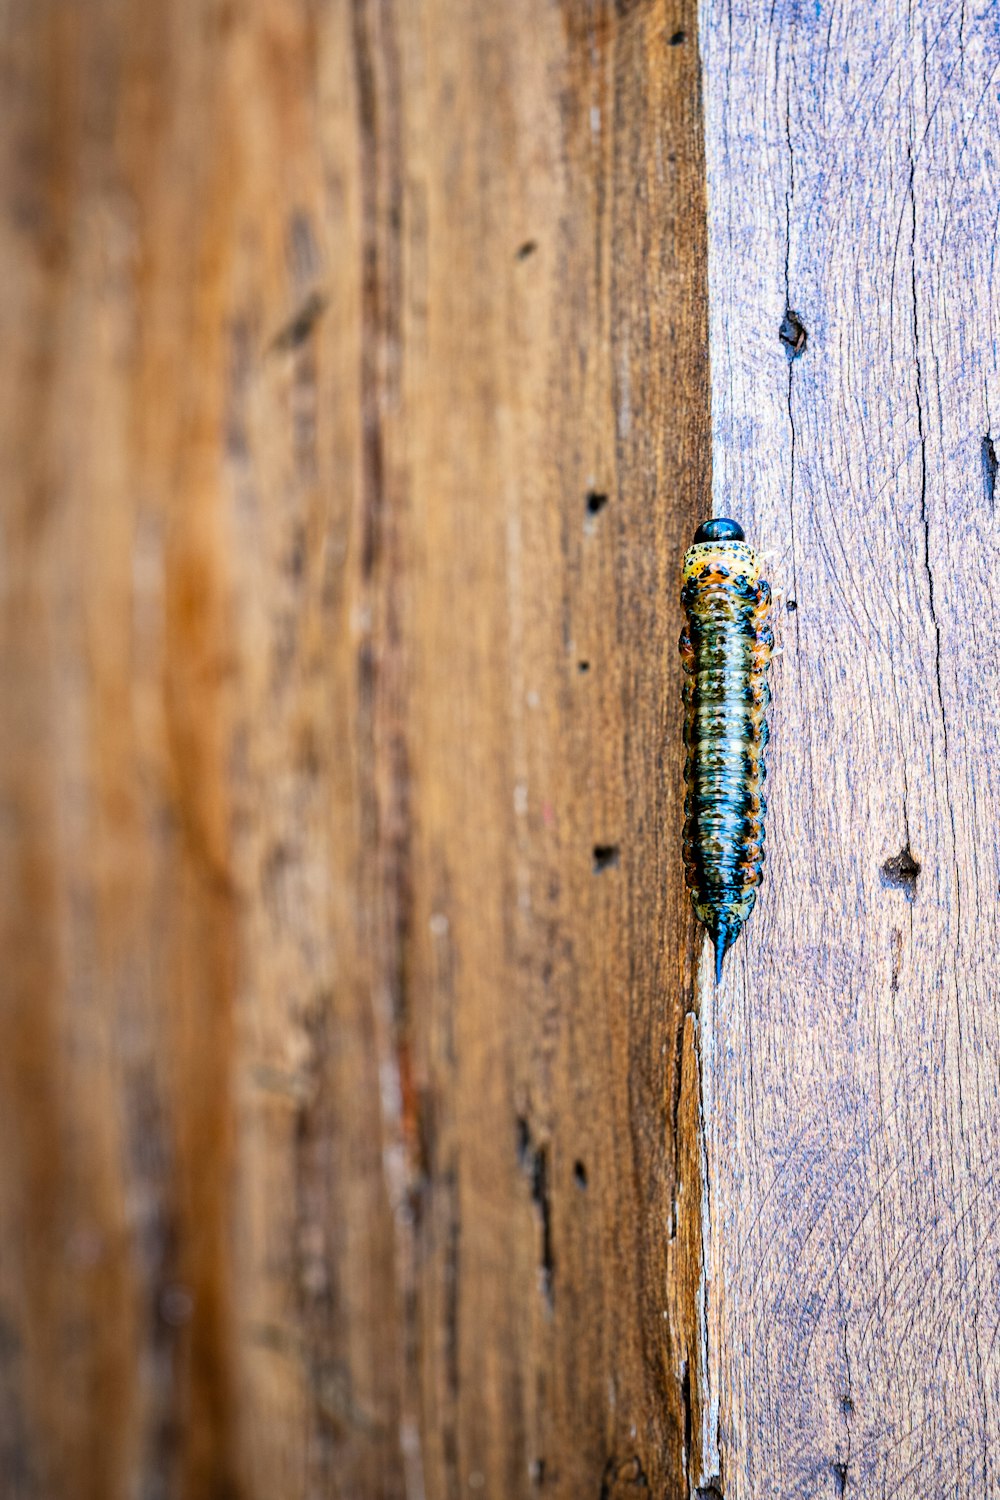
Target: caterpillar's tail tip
{"x": 723, "y": 937}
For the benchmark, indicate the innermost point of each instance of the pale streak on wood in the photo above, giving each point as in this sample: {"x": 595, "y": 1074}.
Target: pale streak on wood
{"x": 851, "y": 158}
{"x": 688, "y": 1282}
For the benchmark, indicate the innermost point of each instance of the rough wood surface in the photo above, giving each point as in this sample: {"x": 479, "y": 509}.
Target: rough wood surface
{"x": 852, "y": 1052}
{"x": 354, "y": 418}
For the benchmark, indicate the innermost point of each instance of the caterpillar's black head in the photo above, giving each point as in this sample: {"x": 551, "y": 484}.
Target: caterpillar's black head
{"x": 720, "y": 529}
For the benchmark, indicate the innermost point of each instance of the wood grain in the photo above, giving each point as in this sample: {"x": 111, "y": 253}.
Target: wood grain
{"x": 556, "y": 472}
{"x": 851, "y": 1055}
{"x": 353, "y": 422}
{"x": 366, "y": 1107}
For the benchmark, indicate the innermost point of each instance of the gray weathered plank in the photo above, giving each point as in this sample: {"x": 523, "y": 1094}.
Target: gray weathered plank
{"x": 852, "y": 1054}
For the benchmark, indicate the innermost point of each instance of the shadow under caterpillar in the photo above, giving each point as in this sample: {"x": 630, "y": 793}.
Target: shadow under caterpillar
{"x": 726, "y": 651}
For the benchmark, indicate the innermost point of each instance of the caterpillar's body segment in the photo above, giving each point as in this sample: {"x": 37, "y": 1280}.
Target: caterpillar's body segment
{"x": 725, "y": 650}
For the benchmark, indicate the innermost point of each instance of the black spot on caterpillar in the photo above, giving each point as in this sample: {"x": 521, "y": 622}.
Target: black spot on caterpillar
{"x": 726, "y": 651}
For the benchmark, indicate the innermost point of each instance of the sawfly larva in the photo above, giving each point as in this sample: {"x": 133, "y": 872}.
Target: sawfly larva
{"x": 726, "y": 651}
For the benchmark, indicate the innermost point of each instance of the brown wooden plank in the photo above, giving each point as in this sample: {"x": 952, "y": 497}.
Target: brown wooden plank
{"x": 555, "y": 402}
{"x": 555, "y": 393}
{"x": 199, "y": 1287}
{"x": 851, "y": 1052}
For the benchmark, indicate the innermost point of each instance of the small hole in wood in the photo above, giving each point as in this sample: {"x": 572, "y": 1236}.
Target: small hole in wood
{"x": 528, "y": 248}
{"x": 900, "y": 873}
{"x": 989, "y": 469}
{"x": 840, "y": 1477}
{"x": 791, "y": 606}
{"x": 523, "y": 1142}
{"x": 583, "y": 666}
{"x": 297, "y": 331}
{"x": 595, "y": 502}
{"x": 605, "y": 857}
{"x": 678, "y": 39}
{"x": 792, "y": 334}
{"x": 580, "y": 1175}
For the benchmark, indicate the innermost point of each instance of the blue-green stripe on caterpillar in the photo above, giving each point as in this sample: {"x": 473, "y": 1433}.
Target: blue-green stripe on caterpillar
{"x": 725, "y": 649}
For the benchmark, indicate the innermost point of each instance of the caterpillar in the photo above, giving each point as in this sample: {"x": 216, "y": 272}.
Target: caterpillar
{"x": 725, "y": 651}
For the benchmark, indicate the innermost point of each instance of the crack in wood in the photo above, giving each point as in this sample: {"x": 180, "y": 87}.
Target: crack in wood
{"x": 534, "y": 1161}
{"x": 989, "y": 454}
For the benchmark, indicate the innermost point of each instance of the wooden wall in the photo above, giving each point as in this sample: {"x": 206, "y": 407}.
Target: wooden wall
{"x": 370, "y": 1126}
